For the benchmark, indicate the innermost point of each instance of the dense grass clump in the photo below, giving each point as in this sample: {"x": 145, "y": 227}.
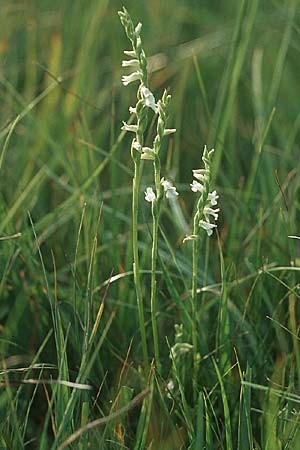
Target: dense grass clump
{"x": 198, "y": 347}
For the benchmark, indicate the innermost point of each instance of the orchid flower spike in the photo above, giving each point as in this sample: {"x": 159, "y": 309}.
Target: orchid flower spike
{"x": 205, "y": 215}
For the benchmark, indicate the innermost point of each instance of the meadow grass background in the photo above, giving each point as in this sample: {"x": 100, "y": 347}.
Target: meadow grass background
{"x": 67, "y": 299}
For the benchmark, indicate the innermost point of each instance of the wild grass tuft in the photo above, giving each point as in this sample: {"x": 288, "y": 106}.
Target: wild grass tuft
{"x": 114, "y": 333}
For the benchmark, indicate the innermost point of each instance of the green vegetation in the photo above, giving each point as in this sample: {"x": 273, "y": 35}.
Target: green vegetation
{"x": 209, "y": 358}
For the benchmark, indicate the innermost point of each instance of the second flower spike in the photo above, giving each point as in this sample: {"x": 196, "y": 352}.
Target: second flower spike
{"x": 204, "y": 211}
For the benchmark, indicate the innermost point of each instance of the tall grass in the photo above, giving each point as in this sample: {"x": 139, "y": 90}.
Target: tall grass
{"x": 73, "y": 370}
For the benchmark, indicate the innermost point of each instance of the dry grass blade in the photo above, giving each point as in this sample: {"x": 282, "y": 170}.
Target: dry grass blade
{"x": 95, "y": 423}
{"x": 60, "y": 382}
{"x": 12, "y": 236}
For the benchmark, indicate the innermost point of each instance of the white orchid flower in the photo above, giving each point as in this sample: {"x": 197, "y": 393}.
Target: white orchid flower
{"x": 196, "y": 186}
{"x": 198, "y": 175}
{"x": 150, "y": 195}
{"x": 149, "y": 99}
{"x": 130, "y": 63}
{"x": 148, "y": 153}
{"x": 132, "y": 110}
{"x": 130, "y": 53}
{"x": 208, "y": 227}
{"x": 134, "y": 76}
{"x": 169, "y": 131}
{"x": 213, "y": 197}
{"x": 211, "y": 212}
{"x": 138, "y": 29}
{"x": 169, "y": 189}
{"x": 132, "y": 128}
{"x": 136, "y": 145}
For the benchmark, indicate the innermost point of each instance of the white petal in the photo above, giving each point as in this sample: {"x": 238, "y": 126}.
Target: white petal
{"x": 169, "y": 189}
{"x": 148, "y": 153}
{"x": 202, "y": 171}
{"x": 198, "y": 176}
{"x": 149, "y": 99}
{"x": 171, "y": 192}
{"x": 138, "y": 28}
{"x": 132, "y": 110}
{"x": 130, "y": 53}
{"x": 136, "y": 145}
{"x": 127, "y": 79}
{"x": 148, "y": 150}
{"x": 166, "y": 184}
{"x": 149, "y": 195}
{"x": 132, "y": 128}
{"x": 196, "y": 186}
{"x": 130, "y": 63}
{"x": 170, "y": 385}
{"x": 208, "y": 227}
{"x": 170, "y": 388}
{"x": 211, "y": 212}
{"x": 213, "y": 197}
{"x": 169, "y": 131}
{"x": 146, "y": 92}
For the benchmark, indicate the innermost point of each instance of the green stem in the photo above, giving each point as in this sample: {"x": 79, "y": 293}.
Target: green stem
{"x": 194, "y": 302}
{"x": 136, "y": 266}
{"x": 155, "y": 222}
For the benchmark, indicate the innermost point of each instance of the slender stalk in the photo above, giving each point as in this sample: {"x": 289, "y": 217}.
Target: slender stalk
{"x": 170, "y": 190}
{"x": 140, "y": 74}
{"x": 194, "y": 301}
{"x": 155, "y": 222}
{"x": 195, "y": 280}
{"x": 145, "y": 100}
{"x": 136, "y": 265}
{"x": 201, "y": 220}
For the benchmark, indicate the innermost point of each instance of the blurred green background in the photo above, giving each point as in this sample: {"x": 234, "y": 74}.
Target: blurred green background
{"x": 232, "y": 68}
